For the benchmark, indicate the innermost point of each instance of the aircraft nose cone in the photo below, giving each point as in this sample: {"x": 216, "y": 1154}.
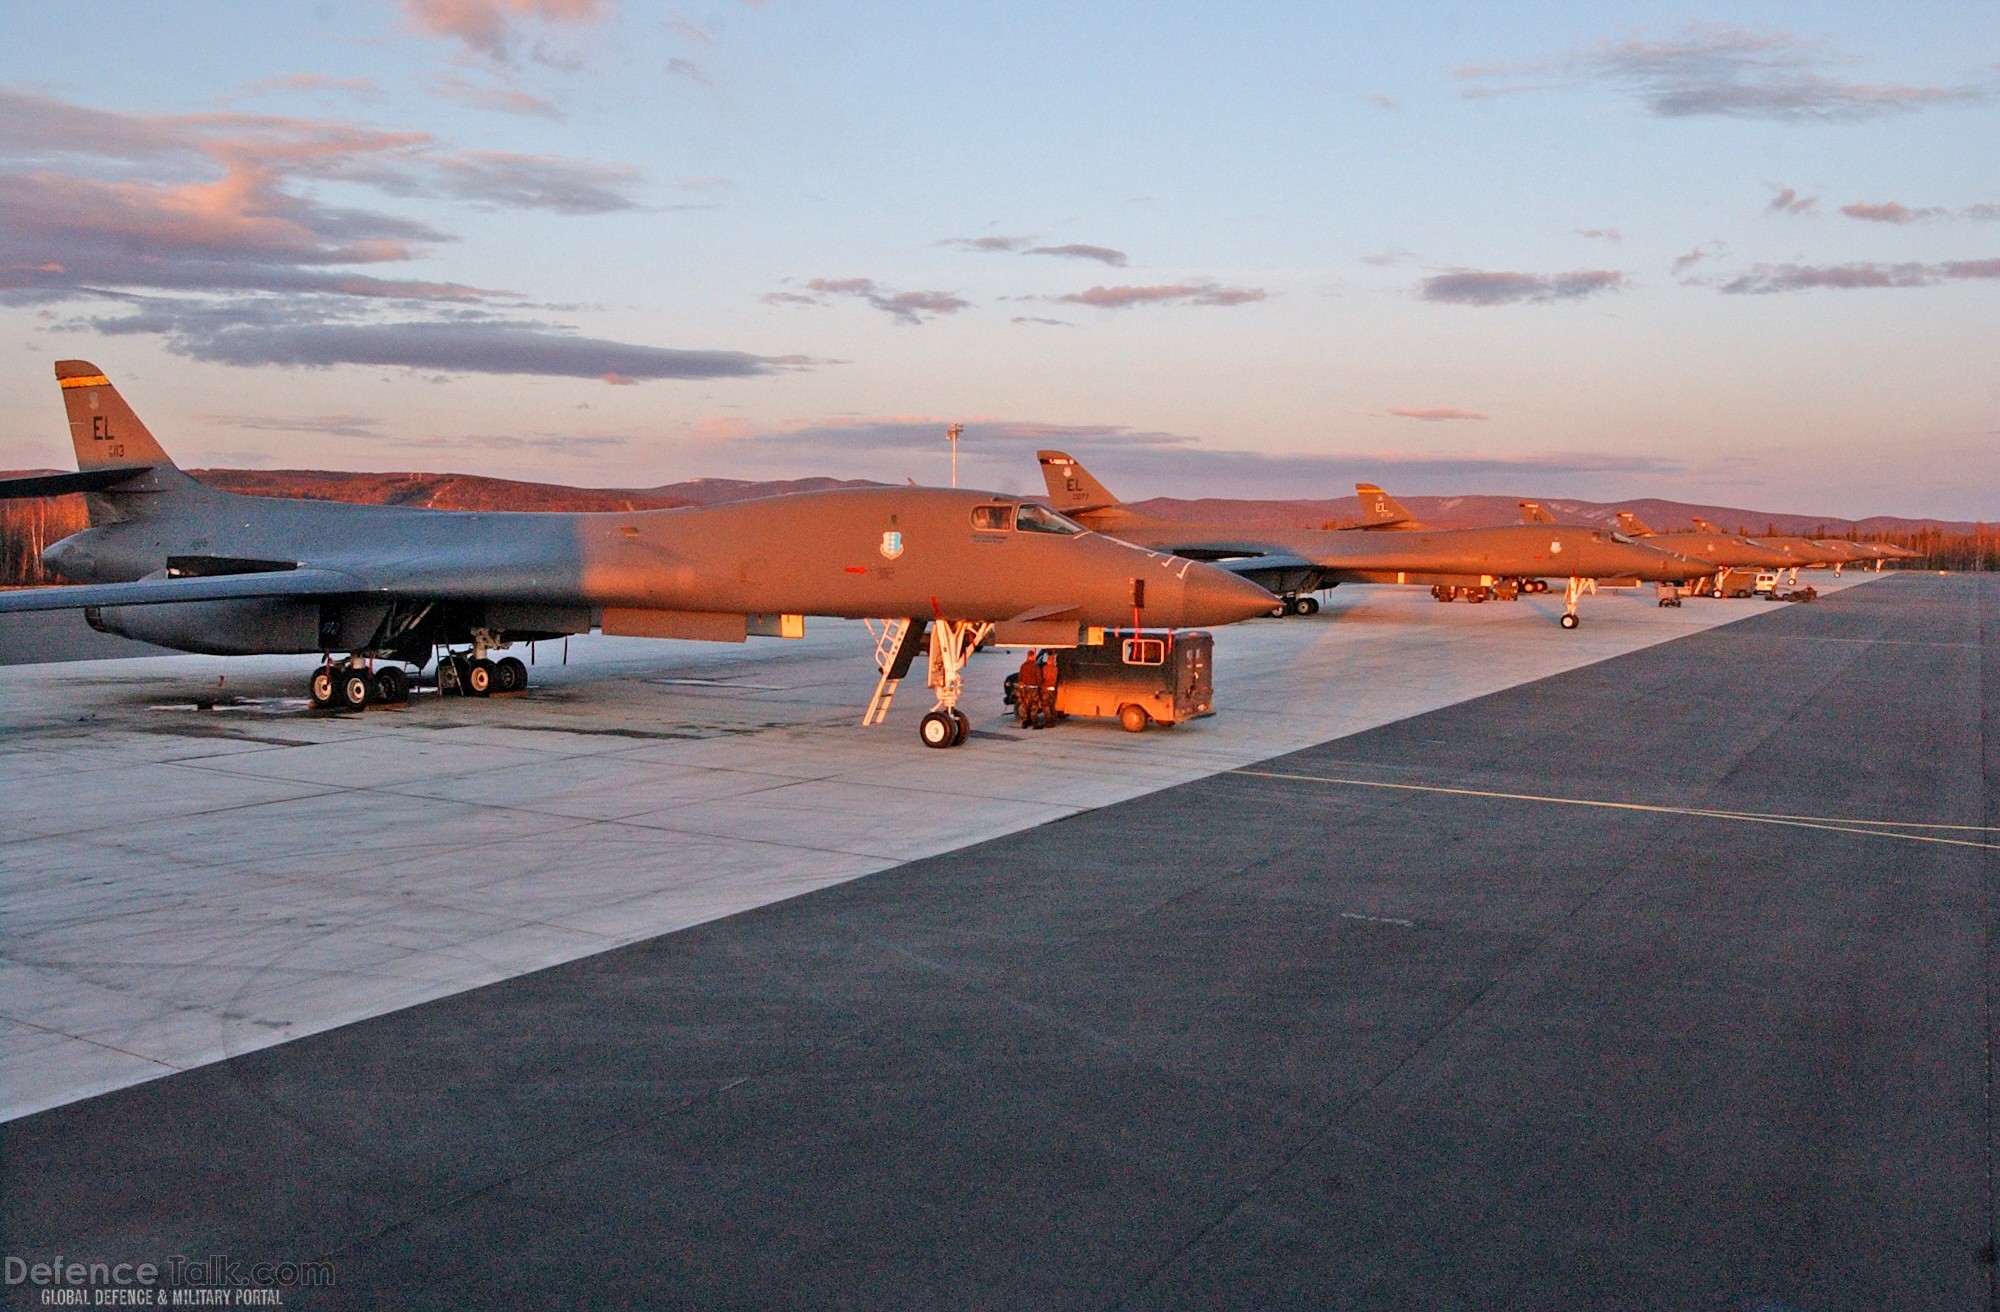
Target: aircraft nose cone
{"x": 1215, "y": 596}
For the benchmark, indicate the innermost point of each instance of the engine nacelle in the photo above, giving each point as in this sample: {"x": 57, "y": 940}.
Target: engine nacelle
{"x": 256, "y": 626}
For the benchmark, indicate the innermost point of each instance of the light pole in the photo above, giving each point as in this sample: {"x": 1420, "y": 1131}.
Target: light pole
{"x": 953, "y": 433}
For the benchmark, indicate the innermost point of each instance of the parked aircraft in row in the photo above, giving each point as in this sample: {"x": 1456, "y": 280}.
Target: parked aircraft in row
{"x": 1294, "y": 562}
{"x": 171, "y": 561}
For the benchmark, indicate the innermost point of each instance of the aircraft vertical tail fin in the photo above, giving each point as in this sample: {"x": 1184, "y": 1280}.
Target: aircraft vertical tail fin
{"x": 1071, "y": 487}
{"x": 1380, "y": 510}
{"x": 106, "y": 433}
{"x": 111, "y": 441}
{"x": 1706, "y": 527}
{"x": 1533, "y": 512}
{"x": 1635, "y": 526}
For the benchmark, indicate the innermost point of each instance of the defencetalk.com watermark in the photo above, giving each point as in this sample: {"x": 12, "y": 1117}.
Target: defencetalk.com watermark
{"x": 214, "y": 1281}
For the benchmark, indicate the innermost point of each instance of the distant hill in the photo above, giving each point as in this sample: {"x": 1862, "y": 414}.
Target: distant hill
{"x": 473, "y": 492}
{"x": 26, "y": 527}
{"x": 1484, "y": 510}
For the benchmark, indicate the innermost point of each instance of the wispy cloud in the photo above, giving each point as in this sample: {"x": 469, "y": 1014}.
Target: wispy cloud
{"x": 1501, "y": 287}
{"x": 1786, "y": 200}
{"x": 904, "y": 307}
{"x": 1139, "y": 462}
{"x": 1723, "y": 69}
{"x": 1888, "y": 212}
{"x": 499, "y": 99}
{"x": 307, "y": 335}
{"x": 1763, "y": 279}
{"x": 542, "y": 182}
{"x": 492, "y": 27}
{"x": 1601, "y": 234}
{"x": 1435, "y": 412}
{"x": 1080, "y": 251}
{"x": 998, "y": 245}
{"x": 363, "y": 426}
{"x": 360, "y": 87}
{"x": 1711, "y": 250}
{"x": 1177, "y": 293}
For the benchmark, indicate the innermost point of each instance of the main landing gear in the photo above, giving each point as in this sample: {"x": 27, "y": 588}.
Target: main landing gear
{"x": 358, "y": 682}
{"x": 354, "y": 684}
{"x": 476, "y": 676}
{"x": 1298, "y": 605}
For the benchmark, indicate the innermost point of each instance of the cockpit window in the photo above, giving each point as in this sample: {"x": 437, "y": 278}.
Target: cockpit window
{"x": 992, "y": 519}
{"x": 1032, "y": 518}
{"x": 1620, "y": 537}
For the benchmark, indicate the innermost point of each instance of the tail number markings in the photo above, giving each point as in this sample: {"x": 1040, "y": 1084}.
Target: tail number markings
{"x": 100, "y": 431}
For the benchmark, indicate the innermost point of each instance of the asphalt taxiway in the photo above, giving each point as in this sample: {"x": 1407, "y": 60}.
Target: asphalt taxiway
{"x": 1661, "y": 981}
{"x": 196, "y": 865}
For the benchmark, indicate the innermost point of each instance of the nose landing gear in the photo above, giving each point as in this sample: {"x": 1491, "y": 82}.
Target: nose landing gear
{"x": 952, "y": 645}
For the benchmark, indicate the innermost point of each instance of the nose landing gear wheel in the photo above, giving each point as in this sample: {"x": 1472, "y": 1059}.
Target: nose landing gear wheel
{"x": 1570, "y": 621}
{"x": 963, "y": 722}
{"x": 938, "y": 729}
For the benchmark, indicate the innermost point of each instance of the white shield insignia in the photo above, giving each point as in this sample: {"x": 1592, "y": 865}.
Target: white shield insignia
{"x": 892, "y": 545}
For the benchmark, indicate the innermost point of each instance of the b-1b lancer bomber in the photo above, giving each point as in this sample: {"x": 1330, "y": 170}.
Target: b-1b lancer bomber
{"x": 170, "y": 561}
{"x": 1292, "y": 562}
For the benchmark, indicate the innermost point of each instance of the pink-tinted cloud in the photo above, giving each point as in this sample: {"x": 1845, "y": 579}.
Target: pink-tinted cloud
{"x": 218, "y": 211}
{"x": 1889, "y": 212}
{"x": 364, "y": 88}
{"x": 1490, "y": 287}
{"x": 218, "y": 200}
{"x": 1435, "y": 412}
{"x": 1726, "y": 70}
{"x": 499, "y": 99}
{"x": 488, "y": 27}
{"x": 1179, "y": 293}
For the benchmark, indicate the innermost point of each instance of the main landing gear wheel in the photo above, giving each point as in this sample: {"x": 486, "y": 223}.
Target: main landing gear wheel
{"x": 392, "y": 686}
{"x": 325, "y": 686}
{"x": 1305, "y": 605}
{"x": 355, "y": 689}
{"x": 939, "y": 729}
{"x": 480, "y": 678}
{"x": 1133, "y": 719}
{"x": 509, "y": 675}
{"x": 1570, "y": 621}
